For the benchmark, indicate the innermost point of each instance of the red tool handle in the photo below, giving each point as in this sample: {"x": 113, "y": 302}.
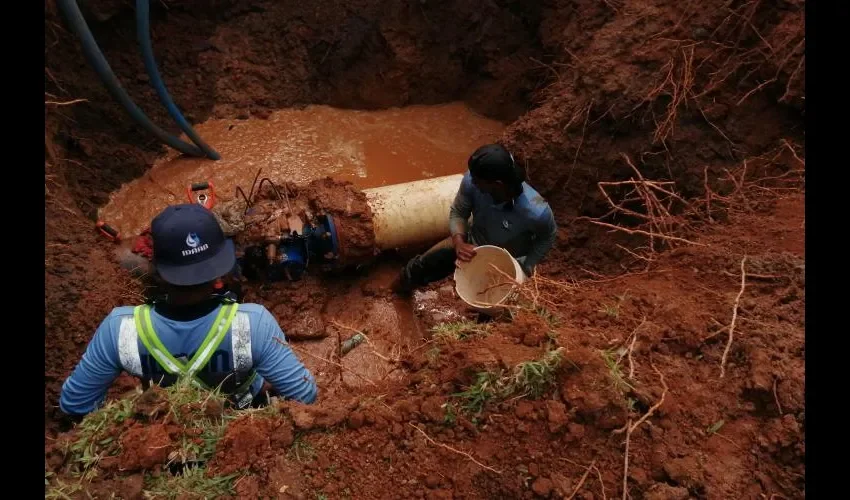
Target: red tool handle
{"x": 205, "y": 200}
{"x": 108, "y": 231}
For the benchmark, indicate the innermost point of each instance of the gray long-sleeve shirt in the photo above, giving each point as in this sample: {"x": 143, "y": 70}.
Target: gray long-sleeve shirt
{"x": 527, "y": 230}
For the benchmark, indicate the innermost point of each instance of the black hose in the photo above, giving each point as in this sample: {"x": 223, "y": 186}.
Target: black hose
{"x": 95, "y": 58}
{"x": 143, "y": 33}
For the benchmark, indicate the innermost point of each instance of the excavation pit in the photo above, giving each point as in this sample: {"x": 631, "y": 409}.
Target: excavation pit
{"x": 301, "y": 150}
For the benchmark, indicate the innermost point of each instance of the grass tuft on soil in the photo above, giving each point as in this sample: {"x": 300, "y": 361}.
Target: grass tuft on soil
{"x": 59, "y": 488}
{"x": 301, "y": 450}
{"x": 459, "y": 330}
{"x": 528, "y": 379}
{"x": 202, "y": 417}
{"x": 613, "y": 361}
{"x": 201, "y": 414}
{"x": 95, "y": 437}
{"x": 191, "y": 482}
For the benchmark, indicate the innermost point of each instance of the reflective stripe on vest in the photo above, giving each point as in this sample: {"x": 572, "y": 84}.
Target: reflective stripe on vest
{"x": 240, "y": 342}
{"x": 146, "y": 333}
{"x": 220, "y": 326}
{"x": 128, "y": 347}
{"x": 240, "y": 336}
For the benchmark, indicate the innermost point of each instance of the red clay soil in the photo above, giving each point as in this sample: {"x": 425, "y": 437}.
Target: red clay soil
{"x": 249, "y": 443}
{"x": 704, "y": 94}
{"x": 734, "y": 437}
{"x": 740, "y": 436}
{"x": 82, "y": 284}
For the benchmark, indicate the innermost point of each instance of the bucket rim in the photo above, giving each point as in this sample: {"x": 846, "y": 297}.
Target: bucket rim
{"x": 487, "y": 307}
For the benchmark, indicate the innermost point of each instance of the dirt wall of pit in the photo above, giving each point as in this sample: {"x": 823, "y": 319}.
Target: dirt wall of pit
{"x": 236, "y": 59}
{"x": 678, "y": 86}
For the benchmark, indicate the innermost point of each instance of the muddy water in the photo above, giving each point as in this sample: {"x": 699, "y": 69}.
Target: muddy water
{"x": 369, "y": 148}
{"x": 391, "y": 329}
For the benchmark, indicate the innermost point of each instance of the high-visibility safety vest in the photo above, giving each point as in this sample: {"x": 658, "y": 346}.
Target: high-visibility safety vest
{"x": 140, "y": 327}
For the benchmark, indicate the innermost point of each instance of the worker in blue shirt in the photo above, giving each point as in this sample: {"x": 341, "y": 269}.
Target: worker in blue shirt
{"x": 191, "y": 332}
{"x": 506, "y": 212}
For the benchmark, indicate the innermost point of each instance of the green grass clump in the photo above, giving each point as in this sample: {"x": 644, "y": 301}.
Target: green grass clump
{"x": 459, "y": 330}
{"x": 615, "y": 372}
{"x": 59, "y": 489}
{"x": 95, "y": 439}
{"x": 191, "y": 482}
{"x": 201, "y": 413}
{"x": 188, "y": 406}
{"x": 477, "y": 395}
{"x": 527, "y": 379}
{"x": 534, "y": 378}
{"x": 301, "y": 450}
{"x": 97, "y": 435}
{"x": 612, "y": 309}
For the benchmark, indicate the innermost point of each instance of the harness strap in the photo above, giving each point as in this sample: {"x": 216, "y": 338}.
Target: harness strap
{"x": 219, "y": 329}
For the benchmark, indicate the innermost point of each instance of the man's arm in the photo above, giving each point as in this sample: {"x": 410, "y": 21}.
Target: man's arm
{"x": 86, "y": 388}
{"x": 461, "y": 209}
{"x": 545, "y": 234}
{"x": 459, "y": 214}
{"x": 276, "y": 362}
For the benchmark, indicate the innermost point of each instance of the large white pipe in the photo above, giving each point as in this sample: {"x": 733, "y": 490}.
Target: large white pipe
{"x": 413, "y": 213}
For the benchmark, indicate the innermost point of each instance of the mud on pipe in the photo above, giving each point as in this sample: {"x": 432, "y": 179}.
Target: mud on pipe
{"x": 353, "y": 226}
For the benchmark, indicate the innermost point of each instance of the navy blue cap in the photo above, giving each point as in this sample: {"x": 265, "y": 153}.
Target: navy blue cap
{"x": 189, "y": 247}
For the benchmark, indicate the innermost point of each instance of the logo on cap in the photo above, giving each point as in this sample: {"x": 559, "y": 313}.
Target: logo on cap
{"x": 194, "y": 244}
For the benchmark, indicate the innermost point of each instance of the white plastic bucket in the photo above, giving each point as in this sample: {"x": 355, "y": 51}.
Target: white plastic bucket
{"x": 483, "y": 287}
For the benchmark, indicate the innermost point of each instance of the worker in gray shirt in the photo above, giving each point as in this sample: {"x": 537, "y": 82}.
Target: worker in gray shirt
{"x": 506, "y": 212}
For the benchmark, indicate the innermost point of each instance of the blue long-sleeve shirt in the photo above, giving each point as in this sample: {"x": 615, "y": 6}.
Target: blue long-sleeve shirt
{"x": 527, "y": 230}
{"x": 101, "y": 364}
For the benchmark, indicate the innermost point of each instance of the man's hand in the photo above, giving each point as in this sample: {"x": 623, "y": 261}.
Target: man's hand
{"x": 268, "y": 388}
{"x": 464, "y": 251}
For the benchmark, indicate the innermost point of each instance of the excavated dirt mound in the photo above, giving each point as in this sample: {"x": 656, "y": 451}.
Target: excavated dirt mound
{"x": 706, "y": 95}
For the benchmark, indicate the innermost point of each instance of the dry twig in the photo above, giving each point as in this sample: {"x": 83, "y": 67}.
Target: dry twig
{"x": 646, "y": 233}
{"x": 65, "y": 103}
{"x": 734, "y": 317}
{"x": 467, "y": 455}
{"x": 630, "y": 428}
{"x": 547, "y": 66}
{"x": 792, "y": 78}
{"x": 55, "y": 81}
{"x": 756, "y": 89}
{"x": 319, "y": 358}
{"x": 626, "y": 463}
{"x": 793, "y": 152}
{"x": 601, "y": 482}
{"x": 656, "y": 405}
{"x": 581, "y": 481}
{"x": 657, "y": 199}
